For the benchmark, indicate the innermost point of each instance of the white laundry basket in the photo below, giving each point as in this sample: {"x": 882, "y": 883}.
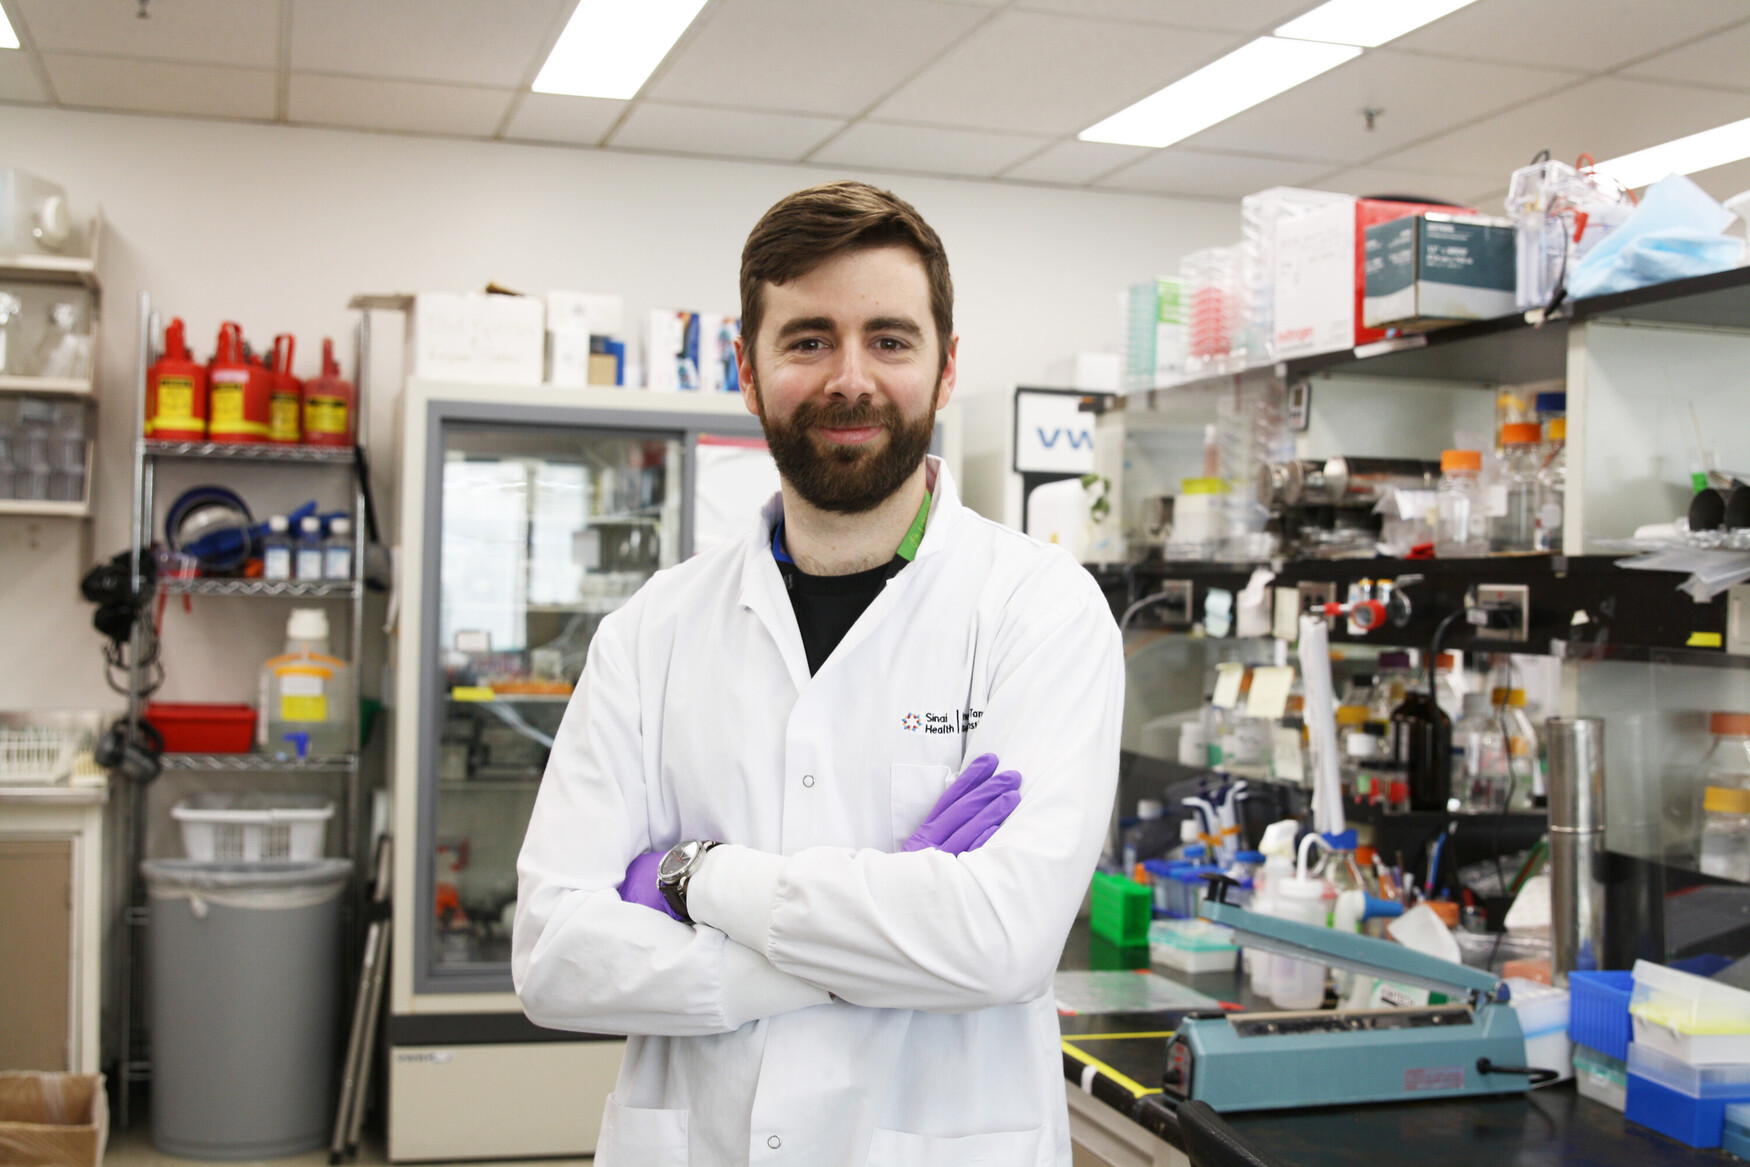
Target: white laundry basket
{"x": 253, "y": 827}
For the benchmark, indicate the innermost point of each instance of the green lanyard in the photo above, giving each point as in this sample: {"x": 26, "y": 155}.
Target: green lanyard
{"x": 908, "y": 546}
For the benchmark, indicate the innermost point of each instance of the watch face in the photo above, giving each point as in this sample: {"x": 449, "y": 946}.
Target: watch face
{"x": 673, "y": 863}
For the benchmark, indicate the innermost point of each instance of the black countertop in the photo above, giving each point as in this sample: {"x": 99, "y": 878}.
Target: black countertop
{"x": 1553, "y": 1125}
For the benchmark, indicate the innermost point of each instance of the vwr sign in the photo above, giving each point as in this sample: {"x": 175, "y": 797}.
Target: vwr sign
{"x": 1052, "y": 434}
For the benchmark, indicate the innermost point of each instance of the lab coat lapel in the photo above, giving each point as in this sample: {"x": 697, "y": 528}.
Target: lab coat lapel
{"x": 762, "y": 591}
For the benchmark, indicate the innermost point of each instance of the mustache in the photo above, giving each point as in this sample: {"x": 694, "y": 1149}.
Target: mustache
{"x": 845, "y": 415}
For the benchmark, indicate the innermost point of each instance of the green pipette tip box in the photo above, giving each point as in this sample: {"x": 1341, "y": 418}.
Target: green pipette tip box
{"x": 1122, "y": 909}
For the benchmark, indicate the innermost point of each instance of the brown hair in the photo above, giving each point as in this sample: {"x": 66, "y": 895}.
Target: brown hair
{"x": 806, "y": 229}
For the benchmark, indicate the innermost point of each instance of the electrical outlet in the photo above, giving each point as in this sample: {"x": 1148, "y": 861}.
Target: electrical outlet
{"x": 1316, "y": 594}
{"x": 1516, "y": 597}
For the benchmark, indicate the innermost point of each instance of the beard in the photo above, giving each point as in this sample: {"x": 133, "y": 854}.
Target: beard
{"x": 847, "y": 480}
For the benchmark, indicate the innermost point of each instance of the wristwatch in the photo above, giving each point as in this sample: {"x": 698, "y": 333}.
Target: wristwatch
{"x": 676, "y": 871}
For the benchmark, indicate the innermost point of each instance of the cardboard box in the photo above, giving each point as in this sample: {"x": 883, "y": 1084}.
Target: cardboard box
{"x": 52, "y": 1120}
{"x": 476, "y": 338}
{"x": 1428, "y": 271}
{"x": 1319, "y": 275}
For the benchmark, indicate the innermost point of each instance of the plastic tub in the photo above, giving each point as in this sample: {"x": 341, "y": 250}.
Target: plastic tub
{"x": 1192, "y": 946}
{"x": 1598, "y": 1014}
{"x": 1685, "y": 1101}
{"x": 203, "y": 729}
{"x": 1543, "y": 1019}
{"x": 1601, "y": 1078}
{"x": 1689, "y": 1017}
{"x": 253, "y": 827}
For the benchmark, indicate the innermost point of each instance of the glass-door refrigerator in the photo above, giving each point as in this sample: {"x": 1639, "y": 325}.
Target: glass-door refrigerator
{"x": 527, "y": 515}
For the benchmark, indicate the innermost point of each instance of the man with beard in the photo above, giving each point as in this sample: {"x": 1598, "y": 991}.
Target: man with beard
{"x": 751, "y": 851}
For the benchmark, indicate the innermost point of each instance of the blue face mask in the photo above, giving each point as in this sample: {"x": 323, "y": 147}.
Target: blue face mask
{"x": 1676, "y": 232}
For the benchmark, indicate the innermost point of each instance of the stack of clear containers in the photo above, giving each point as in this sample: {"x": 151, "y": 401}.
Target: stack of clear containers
{"x": 1259, "y": 216}
{"x": 1210, "y": 281}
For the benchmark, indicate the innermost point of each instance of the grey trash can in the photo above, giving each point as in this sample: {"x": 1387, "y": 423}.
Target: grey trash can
{"x": 243, "y": 1003}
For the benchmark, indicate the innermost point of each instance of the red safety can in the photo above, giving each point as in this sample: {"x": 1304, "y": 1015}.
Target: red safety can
{"x": 240, "y": 391}
{"x": 328, "y": 404}
{"x": 286, "y": 404}
{"x": 176, "y": 392}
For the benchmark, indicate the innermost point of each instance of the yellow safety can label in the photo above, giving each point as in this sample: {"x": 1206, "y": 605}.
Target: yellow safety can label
{"x": 175, "y": 400}
{"x": 325, "y": 415}
{"x": 282, "y": 418}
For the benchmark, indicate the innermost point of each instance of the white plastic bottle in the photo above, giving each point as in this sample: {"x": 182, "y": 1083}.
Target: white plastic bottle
{"x": 276, "y": 549}
{"x": 307, "y": 558}
{"x": 1299, "y": 984}
{"x": 306, "y": 691}
{"x": 1278, "y": 848}
{"x": 337, "y": 550}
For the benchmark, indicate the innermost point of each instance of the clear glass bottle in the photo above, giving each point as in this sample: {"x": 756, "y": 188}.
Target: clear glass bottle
{"x": 307, "y": 558}
{"x": 1460, "y": 526}
{"x": 1550, "y": 409}
{"x": 306, "y": 691}
{"x": 1515, "y": 528}
{"x": 1728, "y": 762}
{"x": 1725, "y": 833}
{"x": 1479, "y": 752}
{"x": 276, "y": 549}
{"x": 1389, "y": 686}
{"x": 1522, "y": 745}
{"x": 337, "y": 550}
{"x": 1552, "y": 486}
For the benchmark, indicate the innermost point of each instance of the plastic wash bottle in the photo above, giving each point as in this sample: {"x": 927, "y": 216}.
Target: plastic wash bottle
{"x": 306, "y": 690}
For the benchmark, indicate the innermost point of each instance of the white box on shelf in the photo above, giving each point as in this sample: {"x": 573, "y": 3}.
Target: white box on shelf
{"x": 1315, "y": 281}
{"x": 665, "y": 337}
{"x": 592, "y": 312}
{"x": 477, "y": 338}
{"x": 568, "y": 358}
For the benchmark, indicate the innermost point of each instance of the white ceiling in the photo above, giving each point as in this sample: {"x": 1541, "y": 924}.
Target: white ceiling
{"x": 984, "y": 89}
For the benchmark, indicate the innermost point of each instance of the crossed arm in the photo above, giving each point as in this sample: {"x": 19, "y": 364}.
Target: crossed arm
{"x": 924, "y": 929}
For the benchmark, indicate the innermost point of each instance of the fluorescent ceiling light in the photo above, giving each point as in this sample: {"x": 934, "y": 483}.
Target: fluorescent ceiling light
{"x": 8, "y": 38}
{"x": 1710, "y": 148}
{"x": 609, "y": 47}
{"x": 1240, "y": 80}
{"x": 1367, "y": 22}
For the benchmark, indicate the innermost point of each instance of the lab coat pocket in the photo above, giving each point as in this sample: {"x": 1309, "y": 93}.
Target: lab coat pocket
{"x": 998, "y": 1149}
{"x": 912, "y": 790}
{"x": 636, "y": 1136}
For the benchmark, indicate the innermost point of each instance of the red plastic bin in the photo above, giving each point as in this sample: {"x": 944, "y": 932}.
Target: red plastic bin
{"x": 203, "y": 729}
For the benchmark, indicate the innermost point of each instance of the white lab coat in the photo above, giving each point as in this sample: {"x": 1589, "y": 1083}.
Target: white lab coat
{"x": 852, "y": 1004}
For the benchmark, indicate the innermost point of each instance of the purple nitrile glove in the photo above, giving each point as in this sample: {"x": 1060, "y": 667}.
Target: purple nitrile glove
{"x": 970, "y": 810}
{"x": 639, "y": 886}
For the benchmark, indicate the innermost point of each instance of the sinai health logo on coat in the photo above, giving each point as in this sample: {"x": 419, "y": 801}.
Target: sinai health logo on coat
{"x": 964, "y": 721}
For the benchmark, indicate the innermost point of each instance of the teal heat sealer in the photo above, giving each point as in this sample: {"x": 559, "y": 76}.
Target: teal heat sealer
{"x": 1271, "y": 1061}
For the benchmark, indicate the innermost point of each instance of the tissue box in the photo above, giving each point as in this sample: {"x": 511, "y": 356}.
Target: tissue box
{"x": 476, "y": 338}
{"x": 1428, "y": 271}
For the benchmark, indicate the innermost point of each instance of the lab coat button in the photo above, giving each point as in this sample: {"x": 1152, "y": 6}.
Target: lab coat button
{"x": 774, "y": 1142}
{"x": 808, "y": 780}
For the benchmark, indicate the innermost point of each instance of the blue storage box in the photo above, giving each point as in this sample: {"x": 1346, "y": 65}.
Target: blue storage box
{"x": 1598, "y": 1011}
{"x": 1684, "y": 1101}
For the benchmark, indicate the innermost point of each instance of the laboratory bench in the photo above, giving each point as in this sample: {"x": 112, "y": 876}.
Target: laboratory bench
{"x": 1118, "y": 1118}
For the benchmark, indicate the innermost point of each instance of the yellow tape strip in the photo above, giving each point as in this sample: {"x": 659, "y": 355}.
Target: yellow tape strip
{"x": 1089, "y": 1060}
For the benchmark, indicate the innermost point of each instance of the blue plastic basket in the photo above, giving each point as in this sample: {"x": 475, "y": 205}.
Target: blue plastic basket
{"x": 1598, "y": 1011}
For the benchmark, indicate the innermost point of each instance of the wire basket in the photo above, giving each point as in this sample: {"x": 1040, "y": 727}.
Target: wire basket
{"x": 253, "y": 828}
{"x": 34, "y": 755}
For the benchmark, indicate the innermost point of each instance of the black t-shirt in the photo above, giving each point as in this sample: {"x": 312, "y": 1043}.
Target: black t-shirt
{"x": 827, "y": 605}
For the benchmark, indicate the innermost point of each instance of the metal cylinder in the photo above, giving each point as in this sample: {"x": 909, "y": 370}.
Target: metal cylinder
{"x": 1576, "y": 773}
{"x": 1576, "y": 902}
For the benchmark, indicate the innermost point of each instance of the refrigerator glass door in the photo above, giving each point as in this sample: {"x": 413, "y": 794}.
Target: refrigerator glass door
{"x": 541, "y": 531}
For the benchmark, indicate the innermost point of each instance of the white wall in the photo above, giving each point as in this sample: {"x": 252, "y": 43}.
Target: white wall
{"x": 277, "y": 228}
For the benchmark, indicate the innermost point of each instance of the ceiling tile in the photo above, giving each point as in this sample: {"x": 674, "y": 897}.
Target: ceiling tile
{"x": 1075, "y": 162}
{"x": 1605, "y": 117}
{"x": 19, "y": 80}
{"x": 833, "y": 57}
{"x": 1718, "y": 60}
{"x": 547, "y": 117}
{"x": 1378, "y": 180}
{"x": 1227, "y": 16}
{"x": 1419, "y": 96}
{"x": 1187, "y": 172}
{"x": 161, "y": 87}
{"x": 396, "y": 105}
{"x": 686, "y": 129}
{"x": 424, "y": 40}
{"x": 224, "y": 32}
{"x": 1045, "y": 73}
{"x": 972, "y": 153}
{"x": 1724, "y": 181}
{"x": 1592, "y": 36}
